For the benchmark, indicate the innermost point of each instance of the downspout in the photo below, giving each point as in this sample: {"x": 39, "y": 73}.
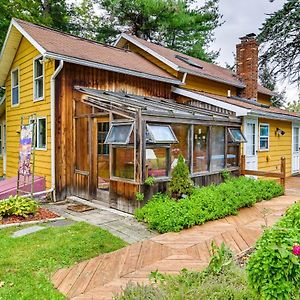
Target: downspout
{"x": 52, "y": 92}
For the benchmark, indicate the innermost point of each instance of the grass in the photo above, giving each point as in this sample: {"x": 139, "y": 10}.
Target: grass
{"x": 27, "y": 263}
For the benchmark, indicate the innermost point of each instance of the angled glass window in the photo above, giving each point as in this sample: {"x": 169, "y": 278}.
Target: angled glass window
{"x": 236, "y": 135}
{"x": 161, "y": 134}
{"x": 119, "y": 134}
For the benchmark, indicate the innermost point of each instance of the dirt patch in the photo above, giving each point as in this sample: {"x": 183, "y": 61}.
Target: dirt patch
{"x": 41, "y": 214}
{"x": 80, "y": 207}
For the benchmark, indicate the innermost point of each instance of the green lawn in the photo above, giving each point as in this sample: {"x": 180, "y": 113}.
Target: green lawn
{"x": 26, "y": 263}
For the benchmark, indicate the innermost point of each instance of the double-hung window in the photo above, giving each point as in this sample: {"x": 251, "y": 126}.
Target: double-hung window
{"x": 264, "y": 130}
{"x": 38, "y": 79}
{"x": 15, "y": 87}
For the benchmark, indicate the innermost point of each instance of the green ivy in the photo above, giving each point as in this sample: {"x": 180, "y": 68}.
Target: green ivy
{"x": 17, "y": 206}
{"x": 273, "y": 270}
{"x": 207, "y": 203}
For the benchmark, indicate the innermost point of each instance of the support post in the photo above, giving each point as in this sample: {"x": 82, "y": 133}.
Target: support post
{"x": 283, "y": 171}
{"x": 243, "y": 165}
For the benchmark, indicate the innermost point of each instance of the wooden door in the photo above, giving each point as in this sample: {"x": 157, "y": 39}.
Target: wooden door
{"x": 295, "y": 150}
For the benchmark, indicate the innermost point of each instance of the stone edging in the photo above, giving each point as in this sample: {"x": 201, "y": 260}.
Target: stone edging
{"x": 2, "y": 226}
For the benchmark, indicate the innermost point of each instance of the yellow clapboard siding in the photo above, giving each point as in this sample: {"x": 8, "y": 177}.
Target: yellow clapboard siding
{"x": 24, "y": 61}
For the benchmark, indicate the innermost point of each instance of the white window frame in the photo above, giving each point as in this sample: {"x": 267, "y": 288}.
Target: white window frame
{"x": 37, "y": 78}
{"x": 11, "y": 76}
{"x": 37, "y": 133}
{"x": 268, "y": 137}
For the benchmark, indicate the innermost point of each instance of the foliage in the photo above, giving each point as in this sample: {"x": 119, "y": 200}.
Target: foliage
{"x": 181, "y": 183}
{"x": 268, "y": 80}
{"x": 180, "y": 25}
{"x": 150, "y": 180}
{"x": 207, "y": 203}
{"x": 215, "y": 282}
{"x": 17, "y": 206}
{"x": 294, "y": 106}
{"x": 273, "y": 270}
{"x": 27, "y": 263}
{"x": 279, "y": 36}
{"x": 225, "y": 174}
{"x": 139, "y": 196}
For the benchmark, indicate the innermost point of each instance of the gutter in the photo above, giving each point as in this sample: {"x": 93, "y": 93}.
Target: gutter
{"x": 52, "y": 93}
{"x": 282, "y": 117}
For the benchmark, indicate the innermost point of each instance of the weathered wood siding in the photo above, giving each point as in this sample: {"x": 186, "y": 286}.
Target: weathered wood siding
{"x": 24, "y": 61}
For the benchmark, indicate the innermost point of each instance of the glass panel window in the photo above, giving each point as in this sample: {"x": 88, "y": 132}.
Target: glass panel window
{"x": 161, "y": 134}
{"x": 233, "y": 151}
{"x": 119, "y": 134}
{"x": 15, "y": 87}
{"x": 38, "y": 78}
{"x": 236, "y": 135}
{"x": 264, "y": 136}
{"x": 181, "y": 132}
{"x": 250, "y": 146}
{"x": 41, "y": 133}
{"x": 156, "y": 162}
{"x": 200, "y": 153}
{"x": 103, "y": 127}
{"x": 217, "y": 148}
{"x": 123, "y": 163}
{"x": 296, "y": 139}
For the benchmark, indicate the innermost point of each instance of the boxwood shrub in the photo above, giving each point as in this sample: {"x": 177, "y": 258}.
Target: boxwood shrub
{"x": 273, "y": 270}
{"x": 207, "y": 203}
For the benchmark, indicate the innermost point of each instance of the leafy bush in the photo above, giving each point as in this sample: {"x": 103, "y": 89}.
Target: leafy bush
{"x": 207, "y": 203}
{"x": 273, "y": 269}
{"x": 150, "y": 180}
{"x": 17, "y": 206}
{"x": 139, "y": 196}
{"x": 181, "y": 183}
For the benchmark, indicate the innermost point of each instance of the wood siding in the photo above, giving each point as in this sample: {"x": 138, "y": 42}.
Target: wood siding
{"x": 264, "y": 99}
{"x": 24, "y": 61}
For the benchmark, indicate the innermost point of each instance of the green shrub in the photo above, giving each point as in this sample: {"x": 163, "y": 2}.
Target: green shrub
{"x": 207, "y": 203}
{"x": 181, "y": 183}
{"x": 150, "y": 181}
{"x": 17, "y": 206}
{"x": 273, "y": 270}
{"x": 139, "y": 196}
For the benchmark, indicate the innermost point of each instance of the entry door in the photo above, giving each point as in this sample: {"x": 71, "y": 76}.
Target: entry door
{"x": 250, "y": 150}
{"x": 295, "y": 150}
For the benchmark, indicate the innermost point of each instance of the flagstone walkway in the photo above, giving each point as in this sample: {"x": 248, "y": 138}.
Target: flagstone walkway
{"x": 104, "y": 276}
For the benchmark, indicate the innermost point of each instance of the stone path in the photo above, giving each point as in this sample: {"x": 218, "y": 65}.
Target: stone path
{"x": 104, "y": 276}
{"x": 118, "y": 223}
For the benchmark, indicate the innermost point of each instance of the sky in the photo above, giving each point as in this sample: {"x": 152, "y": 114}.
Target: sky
{"x": 242, "y": 17}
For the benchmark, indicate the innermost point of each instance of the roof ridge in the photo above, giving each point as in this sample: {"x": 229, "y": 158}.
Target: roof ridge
{"x": 70, "y": 35}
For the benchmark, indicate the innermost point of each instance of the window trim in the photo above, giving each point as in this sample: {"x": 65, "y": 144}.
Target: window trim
{"x": 264, "y": 149}
{"x": 11, "y": 82}
{"x": 119, "y": 124}
{"x": 161, "y": 142}
{"x": 37, "y": 135}
{"x": 233, "y": 138}
{"x": 36, "y": 78}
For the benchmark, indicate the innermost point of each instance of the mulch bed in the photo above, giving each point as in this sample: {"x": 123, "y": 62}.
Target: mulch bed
{"x": 42, "y": 214}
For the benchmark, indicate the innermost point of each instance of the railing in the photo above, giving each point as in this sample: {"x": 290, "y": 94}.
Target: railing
{"x": 280, "y": 175}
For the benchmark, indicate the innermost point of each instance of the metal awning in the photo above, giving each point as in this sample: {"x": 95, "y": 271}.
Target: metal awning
{"x": 151, "y": 108}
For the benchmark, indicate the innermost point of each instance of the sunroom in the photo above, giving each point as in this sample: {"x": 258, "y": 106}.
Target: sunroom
{"x": 144, "y": 136}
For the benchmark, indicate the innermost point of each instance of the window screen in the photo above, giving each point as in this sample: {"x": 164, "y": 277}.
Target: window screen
{"x": 236, "y": 135}
{"x": 119, "y": 134}
{"x": 161, "y": 134}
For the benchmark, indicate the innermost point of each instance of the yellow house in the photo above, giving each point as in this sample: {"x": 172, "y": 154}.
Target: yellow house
{"x": 270, "y": 132}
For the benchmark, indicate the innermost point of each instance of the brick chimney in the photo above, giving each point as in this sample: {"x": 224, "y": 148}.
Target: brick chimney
{"x": 247, "y": 65}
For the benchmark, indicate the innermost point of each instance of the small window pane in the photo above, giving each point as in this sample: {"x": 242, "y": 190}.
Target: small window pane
{"x": 156, "y": 162}
{"x": 200, "y": 159}
{"x": 236, "y": 135}
{"x": 264, "y": 130}
{"x": 15, "y": 95}
{"x": 264, "y": 143}
{"x": 233, "y": 155}
{"x": 181, "y": 132}
{"x": 39, "y": 88}
{"x": 161, "y": 134}
{"x": 38, "y": 68}
{"x": 15, "y": 78}
{"x": 217, "y": 148}
{"x": 41, "y": 131}
{"x": 123, "y": 163}
{"x": 264, "y": 137}
{"x": 119, "y": 134}
{"x": 15, "y": 87}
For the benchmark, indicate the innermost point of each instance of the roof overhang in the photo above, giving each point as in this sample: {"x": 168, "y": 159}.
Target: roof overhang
{"x": 273, "y": 116}
{"x": 2, "y": 105}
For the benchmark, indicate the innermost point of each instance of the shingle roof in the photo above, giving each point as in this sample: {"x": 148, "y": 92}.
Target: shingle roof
{"x": 71, "y": 46}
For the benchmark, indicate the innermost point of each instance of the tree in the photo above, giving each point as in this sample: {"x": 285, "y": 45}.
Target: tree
{"x": 268, "y": 80}
{"x": 177, "y": 24}
{"x": 293, "y": 106}
{"x": 280, "y": 38}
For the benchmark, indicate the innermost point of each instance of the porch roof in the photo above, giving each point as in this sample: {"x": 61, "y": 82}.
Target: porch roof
{"x": 151, "y": 107}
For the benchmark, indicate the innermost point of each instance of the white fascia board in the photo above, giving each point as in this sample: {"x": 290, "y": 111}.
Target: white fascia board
{"x": 148, "y": 50}
{"x": 83, "y": 62}
{"x": 28, "y": 37}
{"x": 240, "y": 111}
{"x": 274, "y": 116}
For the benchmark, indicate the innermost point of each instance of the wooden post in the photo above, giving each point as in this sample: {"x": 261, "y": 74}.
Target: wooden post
{"x": 283, "y": 172}
{"x": 243, "y": 165}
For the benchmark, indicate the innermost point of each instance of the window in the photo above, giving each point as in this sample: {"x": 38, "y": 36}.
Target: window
{"x": 41, "y": 135}
{"x": 251, "y": 137}
{"x": 264, "y": 136}
{"x": 119, "y": 134}
{"x": 103, "y": 127}
{"x": 38, "y": 79}
{"x": 161, "y": 134}
{"x": 15, "y": 87}
{"x": 236, "y": 135}
{"x": 181, "y": 132}
{"x": 217, "y": 148}
{"x": 123, "y": 162}
{"x": 156, "y": 162}
{"x": 200, "y": 149}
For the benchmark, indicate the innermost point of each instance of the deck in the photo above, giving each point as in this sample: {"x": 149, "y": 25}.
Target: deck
{"x": 104, "y": 276}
